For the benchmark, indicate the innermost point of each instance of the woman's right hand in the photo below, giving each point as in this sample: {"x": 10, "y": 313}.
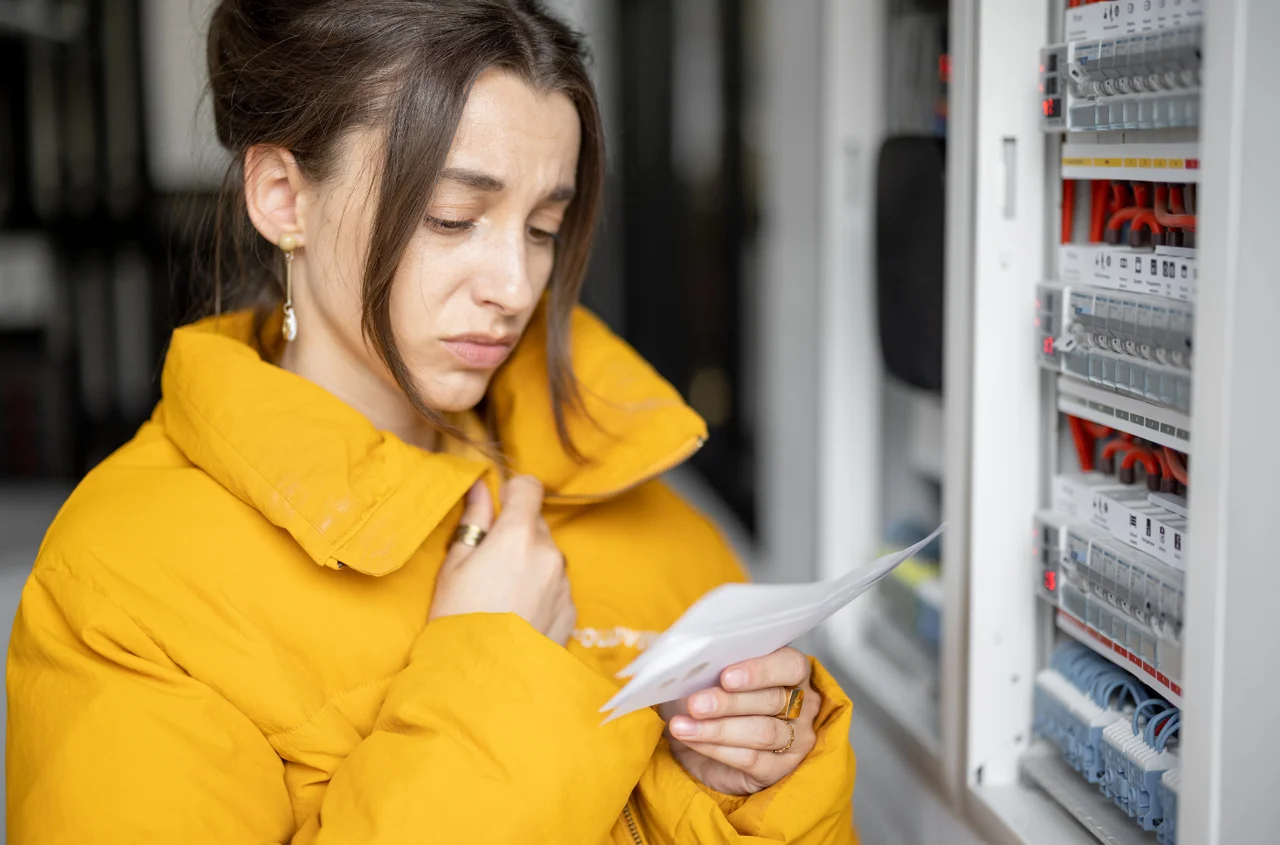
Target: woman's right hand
{"x": 517, "y": 568}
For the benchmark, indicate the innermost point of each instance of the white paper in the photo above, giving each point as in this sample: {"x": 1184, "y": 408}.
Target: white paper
{"x": 737, "y": 622}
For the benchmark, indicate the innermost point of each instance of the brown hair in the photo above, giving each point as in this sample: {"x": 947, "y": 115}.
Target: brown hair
{"x": 299, "y": 73}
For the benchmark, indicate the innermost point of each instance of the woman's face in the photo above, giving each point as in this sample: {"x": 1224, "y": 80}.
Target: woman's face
{"x": 474, "y": 270}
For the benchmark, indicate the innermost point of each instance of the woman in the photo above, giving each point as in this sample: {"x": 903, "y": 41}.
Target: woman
{"x": 289, "y": 610}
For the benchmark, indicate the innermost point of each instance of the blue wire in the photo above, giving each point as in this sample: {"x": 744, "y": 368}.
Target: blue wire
{"x": 1123, "y": 685}
{"x": 1082, "y": 657}
{"x": 1155, "y": 721}
{"x": 1092, "y": 669}
{"x": 1073, "y": 668}
{"x": 1134, "y": 689}
{"x": 1105, "y": 686}
{"x": 1143, "y": 705}
{"x": 1172, "y": 726}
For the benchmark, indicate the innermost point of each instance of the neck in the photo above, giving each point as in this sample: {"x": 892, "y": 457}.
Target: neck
{"x": 320, "y": 359}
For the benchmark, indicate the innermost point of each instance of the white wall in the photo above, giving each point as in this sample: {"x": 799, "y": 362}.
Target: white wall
{"x": 182, "y": 150}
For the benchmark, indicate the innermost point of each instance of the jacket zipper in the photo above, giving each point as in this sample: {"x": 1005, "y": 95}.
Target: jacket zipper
{"x": 631, "y": 824}
{"x": 690, "y": 449}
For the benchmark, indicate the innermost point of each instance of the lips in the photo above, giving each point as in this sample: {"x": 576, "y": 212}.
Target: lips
{"x": 481, "y": 352}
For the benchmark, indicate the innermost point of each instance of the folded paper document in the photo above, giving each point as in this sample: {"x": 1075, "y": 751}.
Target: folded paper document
{"x": 737, "y": 622}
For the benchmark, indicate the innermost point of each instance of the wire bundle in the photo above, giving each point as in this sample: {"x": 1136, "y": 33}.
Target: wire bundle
{"x": 1113, "y": 731}
{"x": 1077, "y": 697}
{"x": 1140, "y": 214}
{"x": 1164, "y": 469}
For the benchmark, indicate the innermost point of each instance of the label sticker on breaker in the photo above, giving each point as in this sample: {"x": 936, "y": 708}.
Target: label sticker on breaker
{"x": 1124, "y": 17}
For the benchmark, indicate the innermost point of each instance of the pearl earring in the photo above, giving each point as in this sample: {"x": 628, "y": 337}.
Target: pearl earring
{"x": 289, "y": 328}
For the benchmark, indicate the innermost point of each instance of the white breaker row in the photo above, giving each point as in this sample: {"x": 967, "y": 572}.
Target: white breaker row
{"x": 1111, "y": 558}
{"x": 1135, "y": 344}
{"x": 1129, "y": 64}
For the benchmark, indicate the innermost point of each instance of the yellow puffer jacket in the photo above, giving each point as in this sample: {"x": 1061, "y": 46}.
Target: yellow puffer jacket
{"x": 225, "y": 640}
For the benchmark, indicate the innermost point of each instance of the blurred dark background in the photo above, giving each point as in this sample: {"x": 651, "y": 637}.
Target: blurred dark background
{"x": 106, "y": 167}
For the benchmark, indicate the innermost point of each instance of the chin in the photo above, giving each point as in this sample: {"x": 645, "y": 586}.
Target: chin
{"x": 459, "y": 391}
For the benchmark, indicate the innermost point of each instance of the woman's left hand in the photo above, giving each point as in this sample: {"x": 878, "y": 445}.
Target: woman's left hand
{"x": 730, "y": 737}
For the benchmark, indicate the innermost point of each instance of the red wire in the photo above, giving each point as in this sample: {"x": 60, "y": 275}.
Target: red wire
{"x": 1113, "y": 446}
{"x": 1163, "y": 461}
{"x": 1068, "y": 209}
{"x": 1125, "y": 215}
{"x": 1097, "y": 210}
{"x": 1136, "y": 454}
{"x": 1176, "y": 466}
{"x": 1142, "y": 194}
{"x": 1084, "y": 446}
{"x": 1147, "y": 218}
{"x": 1097, "y": 430}
{"x": 1119, "y": 196}
{"x": 1173, "y": 221}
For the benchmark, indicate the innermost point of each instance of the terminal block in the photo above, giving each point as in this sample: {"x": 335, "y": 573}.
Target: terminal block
{"x": 1170, "y": 786}
{"x": 1133, "y": 767}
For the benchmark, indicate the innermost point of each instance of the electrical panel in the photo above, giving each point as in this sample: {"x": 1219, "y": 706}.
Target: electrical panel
{"x": 1116, "y": 326}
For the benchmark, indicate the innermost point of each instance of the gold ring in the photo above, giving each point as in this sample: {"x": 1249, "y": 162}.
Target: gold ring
{"x": 791, "y": 707}
{"x": 792, "y": 739}
{"x": 469, "y": 535}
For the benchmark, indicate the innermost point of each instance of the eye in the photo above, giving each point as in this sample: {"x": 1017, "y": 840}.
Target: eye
{"x": 450, "y": 226}
{"x": 542, "y": 236}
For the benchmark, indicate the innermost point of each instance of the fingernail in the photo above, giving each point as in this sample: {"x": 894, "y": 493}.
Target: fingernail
{"x": 702, "y": 704}
{"x": 685, "y": 727}
{"x": 734, "y": 679}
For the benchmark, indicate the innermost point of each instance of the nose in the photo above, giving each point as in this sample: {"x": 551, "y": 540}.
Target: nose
{"x": 505, "y": 282}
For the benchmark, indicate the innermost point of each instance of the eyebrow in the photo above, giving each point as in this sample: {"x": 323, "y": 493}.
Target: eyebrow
{"x": 491, "y": 184}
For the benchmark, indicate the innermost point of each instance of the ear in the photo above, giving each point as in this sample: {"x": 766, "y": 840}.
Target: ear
{"x": 272, "y": 184}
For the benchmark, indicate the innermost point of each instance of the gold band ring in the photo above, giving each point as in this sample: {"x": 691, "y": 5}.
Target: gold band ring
{"x": 469, "y": 535}
{"x": 790, "y": 740}
{"x": 791, "y": 706}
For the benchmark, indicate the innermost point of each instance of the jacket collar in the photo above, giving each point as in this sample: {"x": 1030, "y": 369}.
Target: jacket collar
{"x": 352, "y": 495}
